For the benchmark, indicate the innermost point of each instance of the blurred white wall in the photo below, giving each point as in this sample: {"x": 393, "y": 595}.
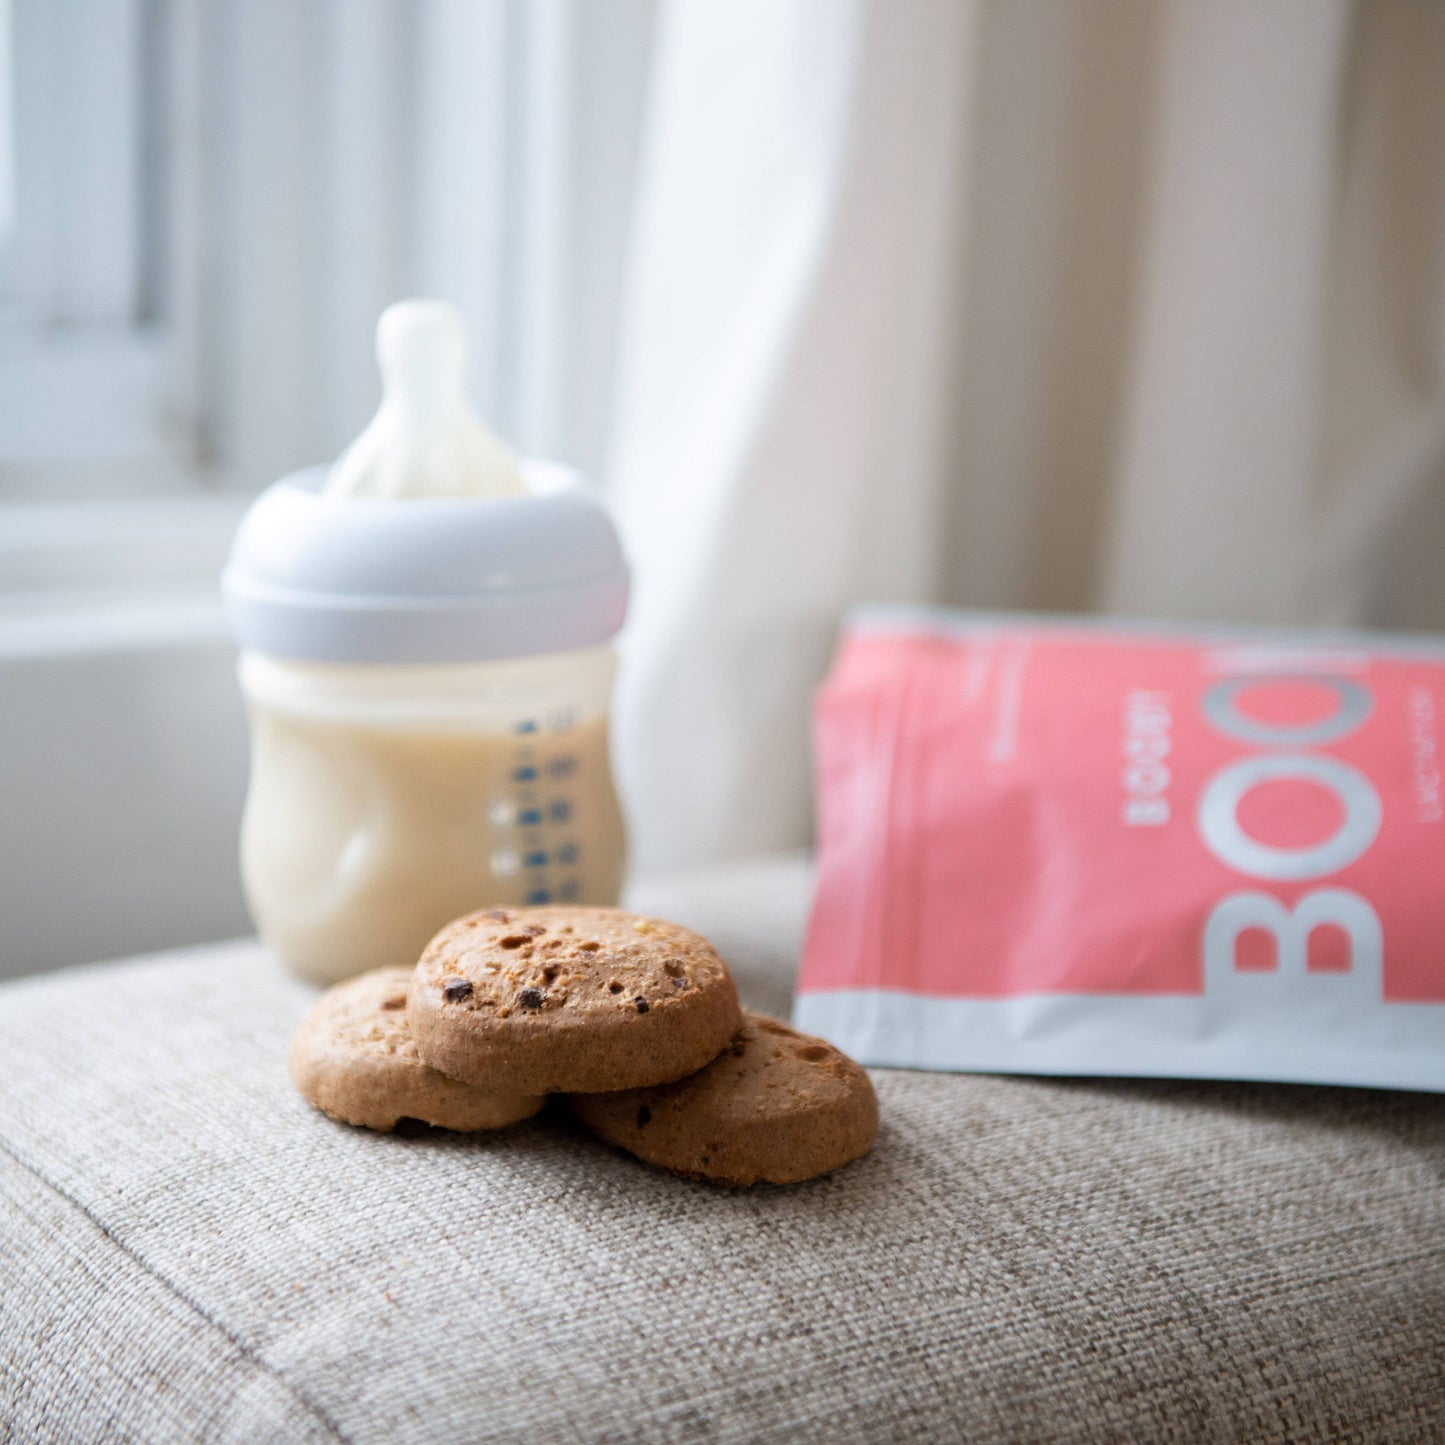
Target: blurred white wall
{"x": 124, "y": 766}
{"x": 1079, "y": 305}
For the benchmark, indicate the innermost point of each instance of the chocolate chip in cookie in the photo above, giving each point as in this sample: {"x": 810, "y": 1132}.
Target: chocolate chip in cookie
{"x": 775, "y": 1105}
{"x": 354, "y": 1058}
{"x": 568, "y": 999}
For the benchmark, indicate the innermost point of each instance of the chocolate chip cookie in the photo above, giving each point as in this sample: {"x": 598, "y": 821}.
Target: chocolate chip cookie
{"x": 354, "y": 1058}
{"x": 569, "y": 999}
{"x": 775, "y": 1105}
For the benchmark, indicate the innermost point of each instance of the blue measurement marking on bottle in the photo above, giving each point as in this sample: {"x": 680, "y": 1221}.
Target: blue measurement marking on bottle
{"x": 524, "y": 775}
{"x": 562, "y": 766}
{"x": 539, "y": 895}
{"x": 559, "y": 810}
{"x": 569, "y": 891}
{"x": 567, "y": 855}
{"x": 527, "y": 725}
{"x": 535, "y": 860}
{"x": 529, "y": 817}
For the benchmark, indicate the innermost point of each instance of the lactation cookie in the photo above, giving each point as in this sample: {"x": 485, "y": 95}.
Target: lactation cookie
{"x": 354, "y": 1058}
{"x": 776, "y": 1105}
{"x": 565, "y": 1000}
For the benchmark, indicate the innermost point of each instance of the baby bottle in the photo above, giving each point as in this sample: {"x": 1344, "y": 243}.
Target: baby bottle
{"x": 426, "y": 655}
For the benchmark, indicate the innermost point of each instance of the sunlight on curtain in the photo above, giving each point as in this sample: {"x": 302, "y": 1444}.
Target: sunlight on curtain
{"x": 1133, "y": 306}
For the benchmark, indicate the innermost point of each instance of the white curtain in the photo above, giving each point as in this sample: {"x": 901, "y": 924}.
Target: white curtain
{"x": 782, "y": 397}
{"x": 1071, "y": 305}
{"x": 1080, "y": 304}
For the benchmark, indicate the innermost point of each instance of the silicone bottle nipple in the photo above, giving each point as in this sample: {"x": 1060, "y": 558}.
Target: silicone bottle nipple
{"x": 425, "y": 440}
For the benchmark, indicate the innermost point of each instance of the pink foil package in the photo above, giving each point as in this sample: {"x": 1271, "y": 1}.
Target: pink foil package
{"x": 1063, "y": 848}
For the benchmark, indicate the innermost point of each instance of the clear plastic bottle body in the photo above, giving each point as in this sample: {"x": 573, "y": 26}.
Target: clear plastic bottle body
{"x": 385, "y": 801}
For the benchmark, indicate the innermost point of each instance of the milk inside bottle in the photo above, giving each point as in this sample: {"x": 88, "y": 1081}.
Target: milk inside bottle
{"x": 427, "y": 660}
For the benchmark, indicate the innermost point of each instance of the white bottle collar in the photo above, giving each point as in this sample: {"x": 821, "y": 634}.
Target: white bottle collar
{"x": 416, "y": 580}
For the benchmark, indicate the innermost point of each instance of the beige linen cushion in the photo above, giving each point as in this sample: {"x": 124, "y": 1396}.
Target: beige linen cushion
{"x": 187, "y": 1251}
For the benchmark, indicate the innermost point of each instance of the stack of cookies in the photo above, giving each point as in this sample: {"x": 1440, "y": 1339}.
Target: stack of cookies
{"x": 633, "y": 1021}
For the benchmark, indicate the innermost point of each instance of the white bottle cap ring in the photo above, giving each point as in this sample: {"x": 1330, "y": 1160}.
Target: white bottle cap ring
{"x": 418, "y": 580}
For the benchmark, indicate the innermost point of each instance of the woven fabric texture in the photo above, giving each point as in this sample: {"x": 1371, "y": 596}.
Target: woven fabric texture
{"x": 187, "y": 1251}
